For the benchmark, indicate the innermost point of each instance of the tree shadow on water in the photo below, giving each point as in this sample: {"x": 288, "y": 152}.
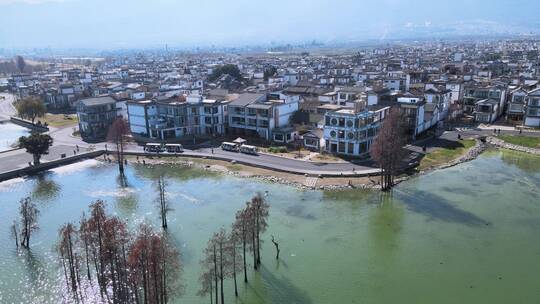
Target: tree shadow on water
{"x": 282, "y": 290}
{"x": 439, "y": 208}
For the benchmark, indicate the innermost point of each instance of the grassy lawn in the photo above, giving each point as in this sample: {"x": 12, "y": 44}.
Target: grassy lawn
{"x": 59, "y": 120}
{"x": 525, "y": 141}
{"x": 446, "y": 154}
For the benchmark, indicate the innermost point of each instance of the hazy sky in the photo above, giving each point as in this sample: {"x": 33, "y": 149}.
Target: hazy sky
{"x": 181, "y": 23}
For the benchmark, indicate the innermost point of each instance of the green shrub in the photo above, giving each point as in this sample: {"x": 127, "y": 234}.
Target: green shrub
{"x": 280, "y": 149}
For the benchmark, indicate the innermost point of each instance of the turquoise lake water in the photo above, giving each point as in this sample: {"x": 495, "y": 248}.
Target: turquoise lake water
{"x": 467, "y": 234}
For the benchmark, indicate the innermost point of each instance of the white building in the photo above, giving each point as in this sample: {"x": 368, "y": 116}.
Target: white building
{"x": 259, "y": 114}
{"x": 352, "y": 131}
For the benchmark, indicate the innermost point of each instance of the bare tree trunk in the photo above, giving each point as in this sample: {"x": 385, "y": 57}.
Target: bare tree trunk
{"x": 254, "y": 249}
{"x": 277, "y": 247}
{"x": 258, "y": 240}
{"x": 221, "y": 272}
{"x": 244, "y": 255}
{"x": 216, "y": 274}
{"x": 234, "y": 270}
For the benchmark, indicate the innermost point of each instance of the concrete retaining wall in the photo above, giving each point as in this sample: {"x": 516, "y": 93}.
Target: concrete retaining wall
{"x": 29, "y": 124}
{"x": 48, "y": 165}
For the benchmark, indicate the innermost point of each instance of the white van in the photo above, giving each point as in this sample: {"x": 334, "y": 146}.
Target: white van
{"x": 227, "y": 146}
{"x": 153, "y": 147}
{"x": 174, "y": 148}
{"x": 248, "y": 149}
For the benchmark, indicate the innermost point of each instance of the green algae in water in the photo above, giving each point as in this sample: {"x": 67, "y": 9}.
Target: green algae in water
{"x": 467, "y": 234}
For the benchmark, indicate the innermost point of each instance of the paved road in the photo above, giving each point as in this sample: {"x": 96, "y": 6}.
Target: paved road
{"x": 17, "y": 159}
{"x": 64, "y": 142}
{"x": 294, "y": 165}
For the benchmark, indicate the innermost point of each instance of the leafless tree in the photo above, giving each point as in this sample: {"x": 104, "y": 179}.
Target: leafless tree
{"x": 241, "y": 230}
{"x": 258, "y": 211}
{"x": 69, "y": 257}
{"x": 117, "y": 135}
{"x": 15, "y": 233}
{"x": 234, "y": 263}
{"x": 155, "y": 267}
{"x": 29, "y": 216}
{"x": 387, "y": 149}
{"x": 163, "y": 203}
{"x": 276, "y": 244}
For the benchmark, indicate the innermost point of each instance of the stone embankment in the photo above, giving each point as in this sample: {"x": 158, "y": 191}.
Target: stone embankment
{"x": 502, "y": 144}
{"x": 473, "y": 153}
{"x": 264, "y": 178}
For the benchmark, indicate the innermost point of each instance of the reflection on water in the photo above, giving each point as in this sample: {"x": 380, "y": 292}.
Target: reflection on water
{"x": 9, "y": 135}
{"x": 45, "y": 187}
{"x": 467, "y": 234}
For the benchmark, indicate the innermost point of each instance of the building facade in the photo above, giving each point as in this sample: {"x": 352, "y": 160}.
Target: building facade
{"x": 350, "y": 131}
{"x": 96, "y": 115}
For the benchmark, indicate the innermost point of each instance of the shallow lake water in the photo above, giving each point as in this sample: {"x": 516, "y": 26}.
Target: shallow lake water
{"x": 467, "y": 234}
{"x": 9, "y": 134}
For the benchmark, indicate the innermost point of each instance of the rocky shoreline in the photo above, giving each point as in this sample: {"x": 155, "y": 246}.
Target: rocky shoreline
{"x": 502, "y": 144}
{"x": 471, "y": 154}
{"x": 261, "y": 177}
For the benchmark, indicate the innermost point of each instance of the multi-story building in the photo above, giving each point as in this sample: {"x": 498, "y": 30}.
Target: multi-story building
{"x": 259, "y": 114}
{"x": 177, "y": 119}
{"x": 479, "y": 93}
{"x": 412, "y": 109}
{"x": 532, "y": 115}
{"x": 486, "y": 110}
{"x": 352, "y": 131}
{"x": 516, "y": 105}
{"x": 95, "y": 116}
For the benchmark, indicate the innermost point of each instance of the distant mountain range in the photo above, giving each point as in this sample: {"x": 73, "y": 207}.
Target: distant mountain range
{"x": 462, "y": 29}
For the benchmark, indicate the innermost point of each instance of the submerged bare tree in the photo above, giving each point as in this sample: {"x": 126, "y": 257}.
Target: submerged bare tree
{"x": 233, "y": 258}
{"x": 140, "y": 267}
{"x": 15, "y": 233}
{"x": 276, "y": 244}
{"x": 163, "y": 203}
{"x": 29, "y": 216}
{"x": 117, "y": 135}
{"x": 241, "y": 230}
{"x": 387, "y": 149}
{"x": 257, "y": 210}
{"x": 69, "y": 258}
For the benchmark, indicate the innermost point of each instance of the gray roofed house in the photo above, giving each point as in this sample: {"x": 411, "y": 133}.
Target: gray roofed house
{"x": 95, "y": 116}
{"x": 247, "y": 98}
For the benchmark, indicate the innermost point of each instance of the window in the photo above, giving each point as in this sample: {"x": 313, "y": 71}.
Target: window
{"x": 333, "y": 134}
{"x": 334, "y": 121}
{"x": 350, "y": 148}
{"x": 341, "y": 147}
{"x": 350, "y": 123}
{"x": 350, "y": 135}
{"x": 363, "y": 148}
